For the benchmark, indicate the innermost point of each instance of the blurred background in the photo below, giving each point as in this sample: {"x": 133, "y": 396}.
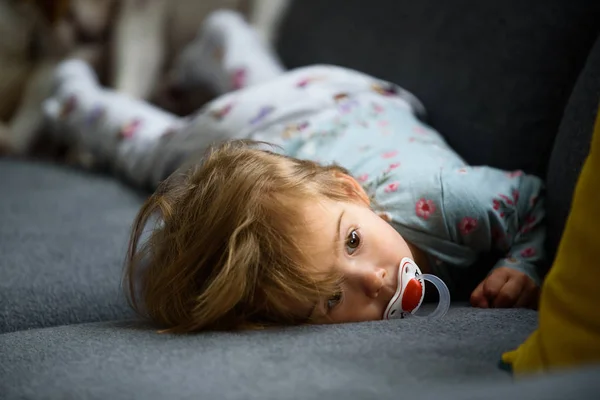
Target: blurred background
{"x": 132, "y": 45}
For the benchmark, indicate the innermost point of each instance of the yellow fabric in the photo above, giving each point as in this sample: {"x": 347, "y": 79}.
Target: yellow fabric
{"x": 568, "y": 334}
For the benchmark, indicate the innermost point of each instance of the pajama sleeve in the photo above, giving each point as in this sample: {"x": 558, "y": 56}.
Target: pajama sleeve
{"x": 487, "y": 209}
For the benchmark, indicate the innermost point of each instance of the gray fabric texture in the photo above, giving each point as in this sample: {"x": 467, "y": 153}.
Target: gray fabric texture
{"x": 494, "y": 75}
{"x": 121, "y": 360}
{"x": 453, "y": 358}
{"x": 571, "y": 147}
{"x": 63, "y": 236}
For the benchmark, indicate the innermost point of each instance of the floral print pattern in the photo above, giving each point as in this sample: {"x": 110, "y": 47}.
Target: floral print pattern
{"x": 528, "y": 252}
{"x": 389, "y": 154}
{"x": 392, "y": 187}
{"x": 424, "y": 208}
{"x": 515, "y": 195}
{"x": 68, "y": 106}
{"x": 95, "y": 115}
{"x": 304, "y": 82}
{"x": 507, "y": 199}
{"x": 392, "y": 167}
{"x": 529, "y": 224}
{"x": 262, "y": 114}
{"x": 129, "y": 129}
{"x": 382, "y": 151}
{"x": 467, "y": 225}
{"x": 385, "y": 89}
{"x": 222, "y": 112}
{"x": 363, "y": 178}
{"x": 371, "y": 131}
{"x": 239, "y": 78}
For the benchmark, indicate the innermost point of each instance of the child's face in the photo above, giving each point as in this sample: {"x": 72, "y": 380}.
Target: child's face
{"x": 365, "y": 249}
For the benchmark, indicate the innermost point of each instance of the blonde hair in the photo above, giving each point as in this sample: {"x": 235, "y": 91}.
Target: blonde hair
{"x": 224, "y": 250}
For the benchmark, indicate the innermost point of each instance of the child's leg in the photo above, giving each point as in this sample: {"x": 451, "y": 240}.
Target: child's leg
{"x": 226, "y": 55}
{"x": 27, "y": 124}
{"x": 116, "y": 129}
{"x": 131, "y": 137}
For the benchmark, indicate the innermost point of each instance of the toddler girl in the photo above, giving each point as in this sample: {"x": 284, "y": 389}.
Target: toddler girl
{"x": 310, "y": 228}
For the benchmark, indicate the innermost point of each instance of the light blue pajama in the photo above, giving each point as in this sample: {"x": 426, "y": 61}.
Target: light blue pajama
{"x": 456, "y": 213}
{"x": 452, "y": 211}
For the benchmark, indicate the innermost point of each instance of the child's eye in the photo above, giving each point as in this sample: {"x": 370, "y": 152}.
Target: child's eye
{"x": 352, "y": 242}
{"x": 333, "y": 301}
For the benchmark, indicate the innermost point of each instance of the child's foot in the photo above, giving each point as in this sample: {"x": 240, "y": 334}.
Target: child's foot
{"x": 74, "y": 73}
{"x": 226, "y": 55}
{"x": 106, "y": 126}
{"x": 72, "y": 81}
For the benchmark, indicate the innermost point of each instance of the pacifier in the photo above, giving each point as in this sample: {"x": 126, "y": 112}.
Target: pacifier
{"x": 411, "y": 292}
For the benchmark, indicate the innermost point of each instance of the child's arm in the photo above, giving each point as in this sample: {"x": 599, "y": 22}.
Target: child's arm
{"x": 488, "y": 209}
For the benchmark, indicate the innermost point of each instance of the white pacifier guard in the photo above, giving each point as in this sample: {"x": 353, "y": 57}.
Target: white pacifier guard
{"x": 411, "y": 292}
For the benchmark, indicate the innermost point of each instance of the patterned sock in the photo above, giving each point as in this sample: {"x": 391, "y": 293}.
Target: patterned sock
{"x": 226, "y": 55}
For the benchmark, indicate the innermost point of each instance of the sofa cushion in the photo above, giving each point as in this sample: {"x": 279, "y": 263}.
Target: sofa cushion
{"x": 384, "y": 358}
{"x": 454, "y": 358}
{"x": 494, "y": 75}
{"x": 63, "y": 238}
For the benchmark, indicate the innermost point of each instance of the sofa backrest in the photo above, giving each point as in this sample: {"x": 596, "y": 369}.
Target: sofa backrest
{"x": 571, "y": 147}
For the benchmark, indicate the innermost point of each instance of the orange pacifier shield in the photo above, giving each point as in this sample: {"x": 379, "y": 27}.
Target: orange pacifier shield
{"x": 413, "y": 293}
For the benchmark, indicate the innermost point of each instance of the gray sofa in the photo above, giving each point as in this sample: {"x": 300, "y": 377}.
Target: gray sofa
{"x": 513, "y": 84}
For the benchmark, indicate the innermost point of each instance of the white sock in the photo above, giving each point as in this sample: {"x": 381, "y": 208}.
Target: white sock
{"x": 115, "y": 128}
{"x": 226, "y": 55}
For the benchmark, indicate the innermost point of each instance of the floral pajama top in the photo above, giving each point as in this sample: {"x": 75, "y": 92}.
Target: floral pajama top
{"x": 456, "y": 213}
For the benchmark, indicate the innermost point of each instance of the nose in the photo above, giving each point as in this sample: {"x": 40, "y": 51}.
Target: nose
{"x": 370, "y": 280}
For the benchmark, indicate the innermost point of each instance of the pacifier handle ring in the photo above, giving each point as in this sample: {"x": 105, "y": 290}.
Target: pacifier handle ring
{"x": 444, "y": 294}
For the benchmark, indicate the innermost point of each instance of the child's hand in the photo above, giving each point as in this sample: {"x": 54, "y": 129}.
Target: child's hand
{"x": 505, "y": 288}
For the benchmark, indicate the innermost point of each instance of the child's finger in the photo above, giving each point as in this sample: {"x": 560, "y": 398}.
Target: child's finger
{"x": 493, "y": 283}
{"x": 529, "y": 296}
{"x": 477, "y": 297}
{"x": 509, "y": 294}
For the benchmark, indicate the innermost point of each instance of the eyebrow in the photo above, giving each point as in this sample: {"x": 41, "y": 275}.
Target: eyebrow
{"x": 336, "y": 239}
